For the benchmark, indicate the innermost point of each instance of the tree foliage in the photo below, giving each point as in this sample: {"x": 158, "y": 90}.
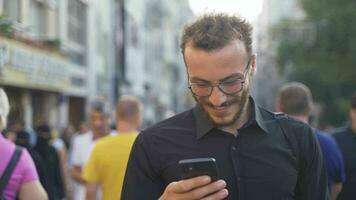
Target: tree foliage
{"x": 320, "y": 51}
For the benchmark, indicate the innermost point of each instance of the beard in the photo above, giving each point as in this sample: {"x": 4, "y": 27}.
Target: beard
{"x": 238, "y": 102}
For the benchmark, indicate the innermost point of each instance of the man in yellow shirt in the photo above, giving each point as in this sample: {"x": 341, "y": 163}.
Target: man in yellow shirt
{"x": 107, "y": 163}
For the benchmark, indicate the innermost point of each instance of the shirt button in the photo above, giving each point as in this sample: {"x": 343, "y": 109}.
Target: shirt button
{"x": 233, "y": 148}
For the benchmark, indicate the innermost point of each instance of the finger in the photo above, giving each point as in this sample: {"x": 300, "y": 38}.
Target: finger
{"x": 189, "y": 184}
{"x": 222, "y": 194}
{"x": 206, "y": 190}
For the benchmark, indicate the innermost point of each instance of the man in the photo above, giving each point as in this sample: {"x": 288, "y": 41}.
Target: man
{"x": 346, "y": 138}
{"x": 107, "y": 163}
{"x": 82, "y": 145}
{"x": 295, "y": 99}
{"x": 254, "y": 158}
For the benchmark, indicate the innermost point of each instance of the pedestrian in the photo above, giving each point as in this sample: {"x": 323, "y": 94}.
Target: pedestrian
{"x": 254, "y": 158}
{"x": 107, "y": 163}
{"x": 67, "y": 135}
{"x": 50, "y": 156}
{"x": 295, "y": 99}
{"x": 23, "y": 139}
{"x": 23, "y": 180}
{"x": 82, "y": 146}
{"x": 346, "y": 139}
{"x": 59, "y": 145}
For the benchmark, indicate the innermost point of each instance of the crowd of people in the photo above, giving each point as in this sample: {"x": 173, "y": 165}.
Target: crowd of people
{"x": 71, "y": 166}
{"x": 259, "y": 154}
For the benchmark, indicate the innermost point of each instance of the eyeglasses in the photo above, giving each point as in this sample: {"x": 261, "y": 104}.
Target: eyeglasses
{"x": 230, "y": 86}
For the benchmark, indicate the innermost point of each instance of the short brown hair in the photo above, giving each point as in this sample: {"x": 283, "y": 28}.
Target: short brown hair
{"x": 353, "y": 101}
{"x": 215, "y": 30}
{"x": 128, "y": 107}
{"x": 294, "y": 98}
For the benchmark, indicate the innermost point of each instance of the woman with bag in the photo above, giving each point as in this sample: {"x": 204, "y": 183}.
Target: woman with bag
{"x": 18, "y": 176}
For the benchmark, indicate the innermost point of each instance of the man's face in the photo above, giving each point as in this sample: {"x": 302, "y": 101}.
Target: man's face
{"x": 353, "y": 115}
{"x": 98, "y": 122}
{"x": 213, "y": 67}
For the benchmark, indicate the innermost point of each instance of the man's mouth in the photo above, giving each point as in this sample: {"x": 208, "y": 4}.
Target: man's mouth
{"x": 219, "y": 107}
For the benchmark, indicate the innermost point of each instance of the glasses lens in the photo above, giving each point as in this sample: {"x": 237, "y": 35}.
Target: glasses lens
{"x": 200, "y": 90}
{"x": 231, "y": 87}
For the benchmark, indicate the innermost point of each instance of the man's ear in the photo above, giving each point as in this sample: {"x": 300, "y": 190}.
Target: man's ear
{"x": 310, "y": 108}
{"x": 278, "y": 107}
{"x": 353, "y": 115}
{"x": 254, "y": 64}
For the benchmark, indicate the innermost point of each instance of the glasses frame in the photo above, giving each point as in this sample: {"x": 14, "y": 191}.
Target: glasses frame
{"x": 218, "y": 85}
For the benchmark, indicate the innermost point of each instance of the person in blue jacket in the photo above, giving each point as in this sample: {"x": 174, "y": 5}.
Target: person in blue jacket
{"x": 295, "y": 99}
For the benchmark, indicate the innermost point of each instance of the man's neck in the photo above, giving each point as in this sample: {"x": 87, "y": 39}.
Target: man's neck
{"x": 125, "y": 127}
{"x": 302, "y": 118}
{"x": 243, "y": 118}
{"x": 97, "y": 135}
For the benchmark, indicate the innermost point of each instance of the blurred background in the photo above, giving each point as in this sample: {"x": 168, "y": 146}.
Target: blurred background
{"x": 57, "y": 56}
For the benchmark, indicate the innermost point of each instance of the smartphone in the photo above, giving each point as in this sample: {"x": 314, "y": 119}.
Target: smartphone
{"x": 198, "y": 167}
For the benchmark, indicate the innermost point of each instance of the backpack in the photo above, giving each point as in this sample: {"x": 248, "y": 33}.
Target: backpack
{"x": 8, "y": 170}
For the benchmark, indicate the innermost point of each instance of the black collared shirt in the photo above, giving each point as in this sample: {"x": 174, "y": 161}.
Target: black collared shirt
{"x": 257, "y": 164}
{"x": 346, "y": 139}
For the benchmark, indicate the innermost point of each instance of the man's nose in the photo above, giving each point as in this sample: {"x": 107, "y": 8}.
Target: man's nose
{"x": 217, "y": 97}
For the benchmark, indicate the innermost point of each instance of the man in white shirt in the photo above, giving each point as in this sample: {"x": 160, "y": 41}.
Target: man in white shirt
{"x": 82, "y": 145}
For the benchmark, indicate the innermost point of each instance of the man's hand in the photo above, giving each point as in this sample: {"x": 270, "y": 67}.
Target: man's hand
{"x": 76, "y": 173}
{"x": 195, "y": 188}
{"x": 91, "y": 189}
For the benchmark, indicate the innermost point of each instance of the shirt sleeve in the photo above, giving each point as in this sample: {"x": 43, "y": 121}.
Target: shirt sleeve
{"x": 140, "y": 173}
{"x": 312, "y": 178}
{"x": 90, "y": 171}
{"x": 28, "y": 167}
{"x": 336, "y": 162}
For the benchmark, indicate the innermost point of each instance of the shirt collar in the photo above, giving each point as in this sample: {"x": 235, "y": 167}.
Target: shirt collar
{"x": 204, "y": 123}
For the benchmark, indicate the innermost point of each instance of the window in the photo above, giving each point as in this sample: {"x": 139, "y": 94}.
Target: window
{"x": 11, "y": 9}
{"x": 37, "y": 19}
{"x": 77, "y": 20}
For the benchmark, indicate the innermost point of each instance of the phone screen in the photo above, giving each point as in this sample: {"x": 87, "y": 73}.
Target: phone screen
{"x": 198, "y": 167}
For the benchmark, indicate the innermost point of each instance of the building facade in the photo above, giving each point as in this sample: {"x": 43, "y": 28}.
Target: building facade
{"x": 154, "y": 68}
{"x": 54, "y": 59}
{"x": 59, "y": 56}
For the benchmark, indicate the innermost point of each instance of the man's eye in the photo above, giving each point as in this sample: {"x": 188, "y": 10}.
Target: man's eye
{"x": 202, "y": 85}
{"x": 231, "y": 82}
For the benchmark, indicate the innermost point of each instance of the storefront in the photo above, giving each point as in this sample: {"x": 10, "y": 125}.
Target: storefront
{"x": 41, "y": 84}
